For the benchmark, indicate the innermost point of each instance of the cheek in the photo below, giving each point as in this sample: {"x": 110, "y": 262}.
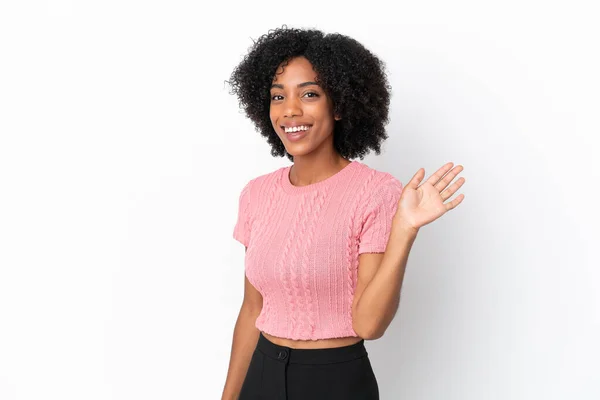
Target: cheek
{"x": 273, "y": 122}
{"x": 322, "y": 112}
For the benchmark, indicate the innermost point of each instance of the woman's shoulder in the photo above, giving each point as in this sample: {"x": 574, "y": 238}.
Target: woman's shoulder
{"x": 376, "y": 179}
{"x": 257, "y": 184}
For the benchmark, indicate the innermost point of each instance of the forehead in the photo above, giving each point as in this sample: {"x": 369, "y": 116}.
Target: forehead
{"x": 297, "y": 69}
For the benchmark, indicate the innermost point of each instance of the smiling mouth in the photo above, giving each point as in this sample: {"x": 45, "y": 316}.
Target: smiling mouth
{"x": 291, "y": 132}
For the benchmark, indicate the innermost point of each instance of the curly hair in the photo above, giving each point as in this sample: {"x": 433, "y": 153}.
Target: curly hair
{"x": 352, "y": 76}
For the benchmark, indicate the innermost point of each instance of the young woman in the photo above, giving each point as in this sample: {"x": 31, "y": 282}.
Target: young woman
{"x": 327, "y": 239}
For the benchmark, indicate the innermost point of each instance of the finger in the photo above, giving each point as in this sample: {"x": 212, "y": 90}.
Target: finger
{"x": 446, "y": 194}
{"x": 433, "y": 179}
{"x": 441, "y": 185}
{"x": 416, "y": 179}
{"x": 455, "y": 202}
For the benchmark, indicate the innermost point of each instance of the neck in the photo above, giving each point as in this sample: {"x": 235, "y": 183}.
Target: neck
{"x": 306, "y": 171}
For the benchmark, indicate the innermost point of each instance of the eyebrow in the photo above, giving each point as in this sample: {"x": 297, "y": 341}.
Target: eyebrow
{"x": 277, "y": 85}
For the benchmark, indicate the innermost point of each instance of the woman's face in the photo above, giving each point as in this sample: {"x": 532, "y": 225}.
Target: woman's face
{"x": 297, "y": 101}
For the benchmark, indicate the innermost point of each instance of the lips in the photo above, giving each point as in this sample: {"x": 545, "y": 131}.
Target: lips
{"x": 298, "y": 135}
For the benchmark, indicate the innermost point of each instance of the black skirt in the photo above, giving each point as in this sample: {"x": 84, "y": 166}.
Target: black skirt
{"x": 283, "y": 373}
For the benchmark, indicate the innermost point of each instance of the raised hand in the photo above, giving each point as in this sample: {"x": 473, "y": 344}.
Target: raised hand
{"x": 420, "y": 205}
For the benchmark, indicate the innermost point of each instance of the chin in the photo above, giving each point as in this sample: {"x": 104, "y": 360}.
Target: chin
{"x": 295, "y": 151}
{"x": 298, "y": 149}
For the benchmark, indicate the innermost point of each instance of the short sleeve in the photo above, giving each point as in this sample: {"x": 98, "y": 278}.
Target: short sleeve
{"x": 378, "y": 215}
{"x": 241, "y": 230}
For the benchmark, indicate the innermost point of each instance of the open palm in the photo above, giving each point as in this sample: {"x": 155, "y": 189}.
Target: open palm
{"x": 420, "y": 205}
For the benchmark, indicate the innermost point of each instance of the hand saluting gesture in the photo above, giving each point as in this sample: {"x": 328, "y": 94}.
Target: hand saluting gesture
{"x": 420, "y": 205}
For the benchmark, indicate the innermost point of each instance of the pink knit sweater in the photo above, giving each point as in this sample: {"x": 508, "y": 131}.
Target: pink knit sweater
{"x": 303, "y": 245}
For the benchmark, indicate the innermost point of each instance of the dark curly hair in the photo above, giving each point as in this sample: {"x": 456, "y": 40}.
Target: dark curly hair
{"x": 352, "y": 76}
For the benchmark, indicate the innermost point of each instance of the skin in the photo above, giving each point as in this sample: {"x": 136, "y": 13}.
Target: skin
{"x": 315, "y": 158}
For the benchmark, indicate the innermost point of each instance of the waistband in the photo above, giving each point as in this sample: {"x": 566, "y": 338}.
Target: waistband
{"x": 311, "y": 356}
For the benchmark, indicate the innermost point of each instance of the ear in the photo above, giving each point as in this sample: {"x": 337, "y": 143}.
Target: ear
{"x": 337, "y": 117}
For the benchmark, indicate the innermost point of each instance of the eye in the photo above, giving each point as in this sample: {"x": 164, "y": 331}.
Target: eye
{"x": 278, "y": 95}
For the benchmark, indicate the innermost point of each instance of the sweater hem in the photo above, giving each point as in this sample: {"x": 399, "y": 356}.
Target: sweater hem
{"x": 321, "y": 336}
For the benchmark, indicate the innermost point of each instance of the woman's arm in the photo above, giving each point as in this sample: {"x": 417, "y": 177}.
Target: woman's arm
{"x": 420, "y": 204}
{"x": 245, "y": 337}
{"x": 380, "y": 277}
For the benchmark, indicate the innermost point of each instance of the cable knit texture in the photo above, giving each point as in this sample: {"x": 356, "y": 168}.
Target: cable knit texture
{"x": 303, "y": 245}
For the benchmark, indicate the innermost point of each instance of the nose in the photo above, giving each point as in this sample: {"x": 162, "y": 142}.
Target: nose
{"x": 291, "y": 107}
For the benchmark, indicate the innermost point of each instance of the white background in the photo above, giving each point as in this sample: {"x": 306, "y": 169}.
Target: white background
{"x": 122, "y": 155}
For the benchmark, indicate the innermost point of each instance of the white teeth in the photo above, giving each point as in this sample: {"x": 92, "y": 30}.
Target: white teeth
{"x": 296, "y": 129}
